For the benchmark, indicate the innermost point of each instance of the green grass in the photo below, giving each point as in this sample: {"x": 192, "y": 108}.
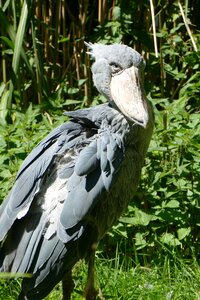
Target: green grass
{"x": 119, "y": 279}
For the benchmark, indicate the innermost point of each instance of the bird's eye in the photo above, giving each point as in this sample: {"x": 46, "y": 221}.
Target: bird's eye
{"x": 115, "y": 68}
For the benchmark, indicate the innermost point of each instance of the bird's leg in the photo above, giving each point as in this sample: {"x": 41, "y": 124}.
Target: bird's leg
{"x": 90, "y": 291}
{"x": 67, "y": 285}
{"x": 22, "y": 296}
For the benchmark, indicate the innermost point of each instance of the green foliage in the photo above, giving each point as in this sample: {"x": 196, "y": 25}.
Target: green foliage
{"x": 18, "y": 138}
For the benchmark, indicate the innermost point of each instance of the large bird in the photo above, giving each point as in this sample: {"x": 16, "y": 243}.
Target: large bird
{"x": 77, "y": 181}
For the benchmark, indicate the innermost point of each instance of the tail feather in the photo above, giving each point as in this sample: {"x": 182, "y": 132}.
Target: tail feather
{"x": 26, "y": 250}
{"x": 21, "y": 244}
{"x": 51, "y": 272}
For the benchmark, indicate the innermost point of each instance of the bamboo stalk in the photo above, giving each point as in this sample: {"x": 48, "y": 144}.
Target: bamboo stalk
{"x": 3, "y": 59}
{"x": 101, "y": 11}
{"x": 83, "y": 19}
{"x": 187, "y": 27}
{"x": 14, "y": 15}
{"x": 38, "y": 75}
{"x": 162, "y": 70}
{"x": 154, "y": 28}
{"x": 56, "y": 38}
{"x": 64, "y": 50}
{"x": 4, "y": 67}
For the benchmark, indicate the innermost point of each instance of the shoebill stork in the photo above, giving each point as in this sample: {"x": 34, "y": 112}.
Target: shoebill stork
{"x": 79, "y": 179}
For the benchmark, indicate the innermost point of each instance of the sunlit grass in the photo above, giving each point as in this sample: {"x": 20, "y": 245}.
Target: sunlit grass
{"x": 172, "y": 280}
{"x": 119, "y": 279}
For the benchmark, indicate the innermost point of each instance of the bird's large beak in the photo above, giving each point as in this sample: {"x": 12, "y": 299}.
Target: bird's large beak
{"x": 128, "y": 94}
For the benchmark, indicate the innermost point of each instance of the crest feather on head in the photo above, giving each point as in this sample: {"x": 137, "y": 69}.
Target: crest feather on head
{"x": 118, "y": 53}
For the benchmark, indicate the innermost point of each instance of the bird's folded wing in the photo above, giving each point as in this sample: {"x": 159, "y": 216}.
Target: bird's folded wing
{"x": 94, "y": 171}
{"x": 30, "y": 176}
{"x": 89, "y": 175}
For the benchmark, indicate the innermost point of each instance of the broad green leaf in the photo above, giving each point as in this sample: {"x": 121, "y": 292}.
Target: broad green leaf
{"x": 81, "y": 81}
{"x": 170, "y": 239}
{"x": 5, "y": 173}
{"x": 172, "y": 204}
{"x": 140, "y": 218}
{"x": 183, "y": 232}
{"x": 139, "y": 239}
{"x": 72, "y": 91}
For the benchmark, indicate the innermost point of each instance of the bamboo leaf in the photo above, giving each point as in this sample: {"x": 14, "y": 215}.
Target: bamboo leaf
{"x": 12, "y": 34}
{"x": 6, "y": 24}
{"x": 9, "y": 42}
{"x": 6, "y": 4}
{"x": 20, "y": 36}
{"x": 16, "y": 44}
{"x": 3, "y": 106}
{"x": 42, "y": 87}
{"x": 17, "y": 49}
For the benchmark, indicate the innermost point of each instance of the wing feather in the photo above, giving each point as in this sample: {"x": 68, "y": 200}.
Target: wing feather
{"x": 87, "y": 160}
{"x": 94, "y": 171}
{"x": 29, "y": 177}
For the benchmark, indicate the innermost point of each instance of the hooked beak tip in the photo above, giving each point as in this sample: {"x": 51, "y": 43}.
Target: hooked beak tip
{"x": 143, "y": 123}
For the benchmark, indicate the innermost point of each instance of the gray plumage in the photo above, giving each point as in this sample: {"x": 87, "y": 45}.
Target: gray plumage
{"x": 76, "y": 183}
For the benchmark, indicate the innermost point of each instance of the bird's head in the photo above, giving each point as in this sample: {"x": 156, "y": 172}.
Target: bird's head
{"x": 118, "y": 75}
